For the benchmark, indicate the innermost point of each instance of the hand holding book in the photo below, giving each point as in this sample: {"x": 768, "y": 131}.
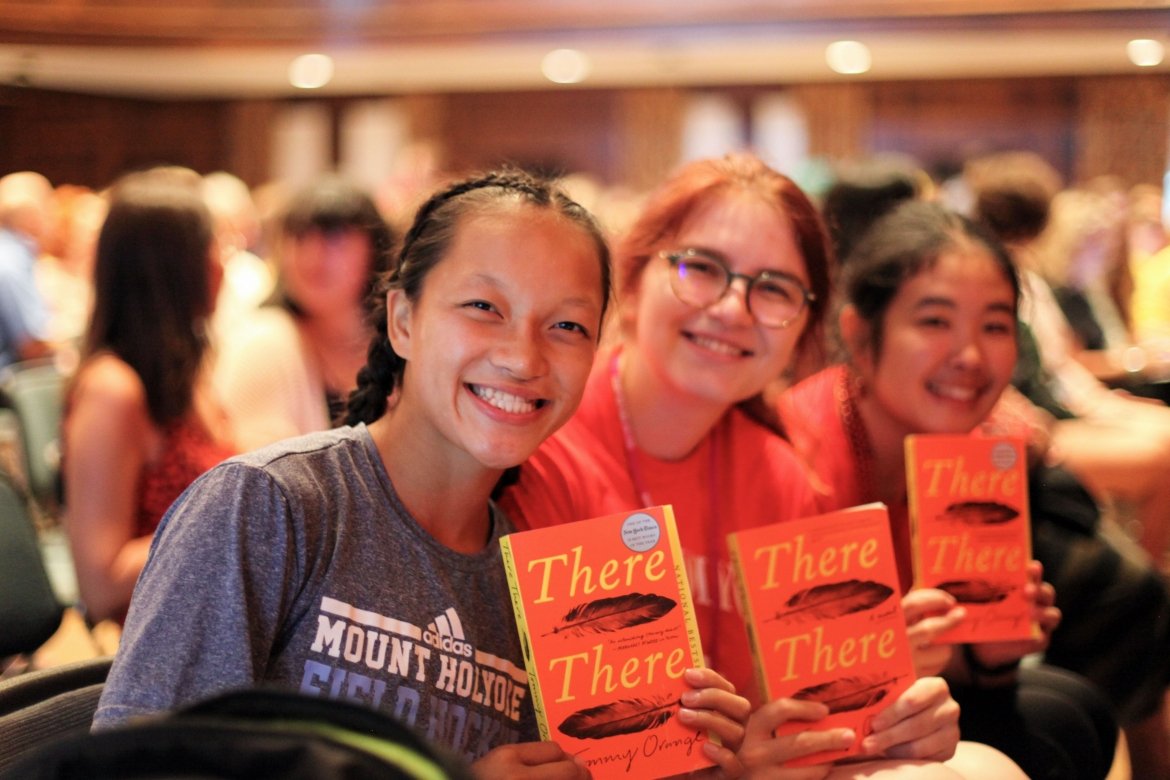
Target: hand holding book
{"x": 930, "y": 612}
{"x": 970, "y": 525}
{"x": 970, "y": 521}
{"x": 766, "y": 749}
{"x": 984, "y": 658}
{"x": 529, "y": 759}
{"x": 612, "y": 648}
{"x": 713, "y": 706}
{"x": 921, "y": 724}
{"x": 826, "y": 625}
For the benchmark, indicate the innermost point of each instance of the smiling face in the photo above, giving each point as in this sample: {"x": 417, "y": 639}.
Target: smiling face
{"x": 947, "y": 351}
{"x": 501, "y": 340}
{"x": 718, "y": 355}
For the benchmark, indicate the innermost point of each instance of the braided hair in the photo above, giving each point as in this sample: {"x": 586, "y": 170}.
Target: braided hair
{"x": 425, "y": 245}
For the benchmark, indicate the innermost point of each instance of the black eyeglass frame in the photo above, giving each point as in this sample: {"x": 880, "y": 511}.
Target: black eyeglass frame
{"x": 676, "y": 256}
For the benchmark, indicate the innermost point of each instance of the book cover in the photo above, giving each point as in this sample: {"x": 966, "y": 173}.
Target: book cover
{"x": 608, "y": 628}
{"x": 971, "y": 530}
{"x": 824, "y": 614}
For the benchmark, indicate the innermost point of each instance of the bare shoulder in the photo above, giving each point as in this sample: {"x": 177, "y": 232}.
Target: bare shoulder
{"x": 108, "y": 385}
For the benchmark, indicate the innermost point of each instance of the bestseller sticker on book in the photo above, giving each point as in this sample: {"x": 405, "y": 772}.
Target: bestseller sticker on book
{"x": 971, "y": 533}
{"x": 824, "y": 615}
{"x": 607, "y": 625}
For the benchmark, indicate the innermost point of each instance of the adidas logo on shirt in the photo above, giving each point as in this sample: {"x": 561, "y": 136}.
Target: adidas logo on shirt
{"x": 446, "y": 633}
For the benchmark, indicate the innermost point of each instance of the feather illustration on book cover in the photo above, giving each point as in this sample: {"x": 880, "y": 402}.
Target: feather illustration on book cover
{"x": 970, "y": 523}
{"x": 608, "y": 628}
{"x": 824, "y": 615}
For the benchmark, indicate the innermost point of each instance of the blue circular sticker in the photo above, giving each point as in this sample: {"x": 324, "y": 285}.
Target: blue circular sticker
{"x": 641, "y": 532}
{"x": 1003, "y": 455}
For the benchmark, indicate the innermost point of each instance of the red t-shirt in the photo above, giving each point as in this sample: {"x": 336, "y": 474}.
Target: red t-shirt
{"x": 740, "y": 476}
{"x": 821, "y": 419}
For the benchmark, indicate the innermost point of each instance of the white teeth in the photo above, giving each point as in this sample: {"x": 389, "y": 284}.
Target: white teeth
{"x": 513, "y": 404}
{"x": 717, "y": 346}
{"x": 955, "y": 393}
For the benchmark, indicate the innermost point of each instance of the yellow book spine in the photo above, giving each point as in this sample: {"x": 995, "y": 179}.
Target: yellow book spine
{"x": 916, "y": 561}
{"x": 525, "y": 642}
{"x": 749, "y": 617}
{"x": 694, "y": 642}
{"x": 692, "y": 623}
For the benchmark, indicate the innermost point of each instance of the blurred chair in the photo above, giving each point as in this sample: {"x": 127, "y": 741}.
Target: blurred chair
{"x": 42, "y": 706}
{"x": 34, "y": 391}
{"x": 29, "y": 609}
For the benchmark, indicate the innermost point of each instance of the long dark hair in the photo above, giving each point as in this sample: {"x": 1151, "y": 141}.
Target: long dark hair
{"x": 425, "y": 245}
{"x": 333, "y": 204}
{"x": 153, "y": 288}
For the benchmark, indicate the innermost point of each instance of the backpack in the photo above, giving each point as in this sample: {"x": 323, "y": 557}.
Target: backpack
{"x": 250, "y": 735}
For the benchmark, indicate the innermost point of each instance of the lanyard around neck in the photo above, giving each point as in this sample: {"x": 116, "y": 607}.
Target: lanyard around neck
{"x": 630, "y": 445}
{"x": 634, "y": 467}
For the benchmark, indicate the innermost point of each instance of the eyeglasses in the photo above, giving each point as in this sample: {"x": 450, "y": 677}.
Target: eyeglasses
{"x": 774, "y": 298}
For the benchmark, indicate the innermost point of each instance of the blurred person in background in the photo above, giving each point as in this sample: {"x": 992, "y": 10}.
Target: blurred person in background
{"x": 1150, "y": 266}
{"x": 1084, "y": 255}
{"x": 671, "y": 414}
{"x": 25, "y": 219}
{"x": 927, "y": 320}
{"x": 1116, "y": 606}
{"x": 248, "y": 279}
{"x": 287, "y": 369}
{"x": 1147, "y": 233}
{"x": 865, "y": 190}
{"x": 65, "y": 269}
{"x": 1117, "y": 444}
{"x": 140, "y": 422}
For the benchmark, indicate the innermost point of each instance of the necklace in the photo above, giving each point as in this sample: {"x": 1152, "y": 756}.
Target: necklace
{"x": 634, "y": 467}
{"x": 846, "y": 391}
{"x": 629, "y": 443}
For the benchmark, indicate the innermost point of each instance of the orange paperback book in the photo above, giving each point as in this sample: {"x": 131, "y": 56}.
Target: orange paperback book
{"x": 608, "y": 628}
{"x": 825, "y": 617}
{"x": 970, "y": 523}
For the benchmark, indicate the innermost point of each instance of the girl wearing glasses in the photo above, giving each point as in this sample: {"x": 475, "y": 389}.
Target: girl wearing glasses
{"x": 317, "y": 563}
{"x": 723, "y": 282}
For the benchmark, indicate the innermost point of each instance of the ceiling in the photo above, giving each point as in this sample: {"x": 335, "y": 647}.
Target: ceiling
{"x": 230, "y": 48}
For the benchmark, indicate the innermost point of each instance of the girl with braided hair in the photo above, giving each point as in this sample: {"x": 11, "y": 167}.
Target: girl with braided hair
{"x": 362, "y": 563}
{"x": 724, "y": 286}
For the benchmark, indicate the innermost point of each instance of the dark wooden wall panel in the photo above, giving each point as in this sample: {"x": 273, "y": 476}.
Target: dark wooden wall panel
{"x": 1122, "y": 127}
{"x": 572, "y": 130}
{"x": 1085, "y": 127}
{"x": 192, "y": 134}
{"x": 90, "y": 140}
{"x": 942, "y": 122}
{"x": 66, "y": 137}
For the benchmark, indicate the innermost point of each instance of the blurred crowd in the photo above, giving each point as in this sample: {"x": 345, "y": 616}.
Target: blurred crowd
{"x": 194, "y": 317}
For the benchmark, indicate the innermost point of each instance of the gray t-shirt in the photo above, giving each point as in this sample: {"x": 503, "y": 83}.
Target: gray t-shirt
{"x": 297, "y": 565}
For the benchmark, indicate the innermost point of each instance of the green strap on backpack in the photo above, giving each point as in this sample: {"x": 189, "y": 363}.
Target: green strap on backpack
{"x": 249, "y": 735}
